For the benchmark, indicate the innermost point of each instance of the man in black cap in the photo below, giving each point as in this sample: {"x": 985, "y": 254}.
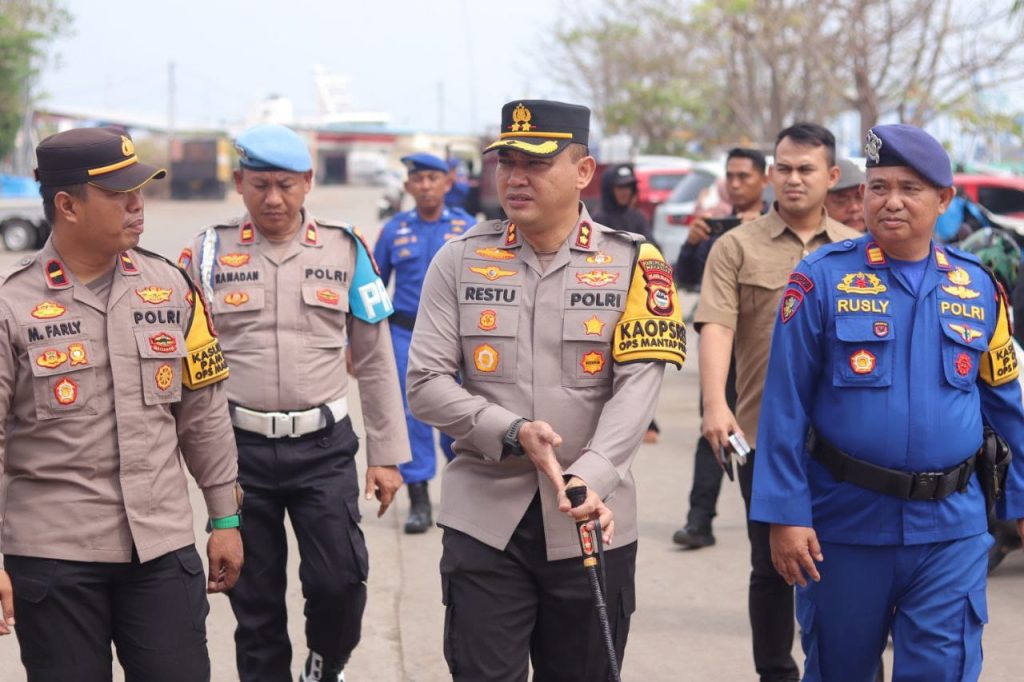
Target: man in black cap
{"x": 538, "y": 346}
{"x": 112, "y": 375}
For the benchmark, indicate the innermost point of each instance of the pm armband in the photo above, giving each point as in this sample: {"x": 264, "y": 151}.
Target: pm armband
{"x": 999, "y": 365}
{"x": 204, "y": 363}
{"x": 651, "y": 328}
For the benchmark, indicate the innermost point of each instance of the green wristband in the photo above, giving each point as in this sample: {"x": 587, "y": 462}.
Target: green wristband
{"x": 223, "y": 523}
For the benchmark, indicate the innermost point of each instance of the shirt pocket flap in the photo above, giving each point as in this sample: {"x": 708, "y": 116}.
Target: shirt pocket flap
{"x": 60, "y": 358}
{"x": 325, "y": 296}
{"x": 767, "y": 278}
{"x": 864, "y": 328}
{"x": 484, "y": 320}
{"x": 238, "y": 300}
{"x": 160, "y": 343}
{"x": 965, "y": 335}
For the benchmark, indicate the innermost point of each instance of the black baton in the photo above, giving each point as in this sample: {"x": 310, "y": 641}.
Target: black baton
{"x": 589, "y": 544}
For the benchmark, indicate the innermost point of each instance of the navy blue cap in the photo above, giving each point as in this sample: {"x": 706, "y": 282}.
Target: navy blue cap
{"x": 541, "y": 127}
{"x": 422, "y": 161}
{"x": 270, "y": 147}
{"x": 899, "y": 144}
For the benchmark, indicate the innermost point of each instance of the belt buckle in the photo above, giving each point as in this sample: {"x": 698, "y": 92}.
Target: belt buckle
{"x": 281, "y": 425}
{"x": 926, "y": 484}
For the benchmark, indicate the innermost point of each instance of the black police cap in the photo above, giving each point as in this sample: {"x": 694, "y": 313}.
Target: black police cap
{"x": 542, "y": 127}
{"x": 99, "y": 156}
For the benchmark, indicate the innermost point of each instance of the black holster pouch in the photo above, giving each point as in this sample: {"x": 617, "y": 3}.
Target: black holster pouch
{"x": 992, "y": 466}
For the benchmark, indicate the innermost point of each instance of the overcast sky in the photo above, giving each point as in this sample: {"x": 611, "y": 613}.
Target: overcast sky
{"x": 230, "y": 54}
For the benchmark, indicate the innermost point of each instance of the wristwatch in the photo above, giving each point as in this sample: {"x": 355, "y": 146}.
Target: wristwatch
{"x": 510, "y": 444}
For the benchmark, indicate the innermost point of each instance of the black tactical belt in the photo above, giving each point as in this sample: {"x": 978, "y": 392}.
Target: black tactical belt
{"x": 931, "y": 485}
{"x": 403, "y": 320}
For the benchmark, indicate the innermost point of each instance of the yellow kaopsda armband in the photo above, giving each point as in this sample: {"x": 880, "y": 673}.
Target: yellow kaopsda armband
{"x": 651, "y": 328}
{"x": 205, "y": 363}
{"x": 999, "y": 362}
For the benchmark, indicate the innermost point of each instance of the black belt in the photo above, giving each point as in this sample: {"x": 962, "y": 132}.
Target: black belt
{"x": 930, "y": 485}
{"x": 403, "y": 320}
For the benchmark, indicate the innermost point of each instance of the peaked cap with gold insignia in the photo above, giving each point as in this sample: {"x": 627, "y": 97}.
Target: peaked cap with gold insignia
{"x": 542, "y": 127}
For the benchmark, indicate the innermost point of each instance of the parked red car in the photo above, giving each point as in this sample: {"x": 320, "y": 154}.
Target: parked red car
{"x": 999, "y": 194}
{"x": 654, "y": 184}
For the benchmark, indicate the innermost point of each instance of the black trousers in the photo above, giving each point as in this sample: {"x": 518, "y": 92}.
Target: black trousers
{"x": 707, "y": 475}
{"x": 314, "y": 480}
{"x": 772, "y": 613}
{"x": 504, "y": 609}
{"x": 70, "y": 611}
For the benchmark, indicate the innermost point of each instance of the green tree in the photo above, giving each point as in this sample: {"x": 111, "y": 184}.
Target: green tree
{"x": 26, "y": 27}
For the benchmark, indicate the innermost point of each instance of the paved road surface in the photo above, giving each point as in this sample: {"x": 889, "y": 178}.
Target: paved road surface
{"x": 691, "y": 621}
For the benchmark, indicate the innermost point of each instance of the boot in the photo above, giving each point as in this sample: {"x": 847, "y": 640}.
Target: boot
{"x": 420, "y": 518}
{"x": 316, "y": 670}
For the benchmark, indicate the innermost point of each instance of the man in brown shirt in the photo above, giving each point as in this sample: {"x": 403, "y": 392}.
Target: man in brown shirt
{"x": 287, "y": 291}
{"x": 110, "y": 377}
{"x": 559, "y": 330}
{"x": 745, "y": 275}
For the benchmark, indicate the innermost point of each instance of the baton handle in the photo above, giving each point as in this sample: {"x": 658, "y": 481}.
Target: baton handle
{"x": 577, "y": 495}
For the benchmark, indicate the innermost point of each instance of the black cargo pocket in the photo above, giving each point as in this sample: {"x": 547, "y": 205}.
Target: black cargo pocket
{"x": 194, "y": 583}
{"x": 449, "y": 629}
{"x": 360, "y": 557}
{"x": 863, "y": 351}
{"x": 627, "y": 605}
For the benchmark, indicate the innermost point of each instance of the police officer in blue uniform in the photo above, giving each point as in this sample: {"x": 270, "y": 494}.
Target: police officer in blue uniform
{"x": 405, "y": 247}
{"x": 890, "y": 355}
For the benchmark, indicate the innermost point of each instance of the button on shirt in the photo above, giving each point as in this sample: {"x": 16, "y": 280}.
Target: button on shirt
{"x": 891, "y": 378}
{"x": 406, "y": 245}
{"x": 743, "y": 282}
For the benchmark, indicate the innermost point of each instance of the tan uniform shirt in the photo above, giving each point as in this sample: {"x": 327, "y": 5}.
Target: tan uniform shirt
{"x": 744, "y": 278}
{"x": 530, "y": 342}
{"x": 94, "y": 421}
{"x": 282, "y": 316}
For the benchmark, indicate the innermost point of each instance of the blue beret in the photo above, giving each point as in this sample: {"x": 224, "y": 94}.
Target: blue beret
{"x": 421, "y": 162}
{"x": 270, "y": 146}
{"x": 905, "y": 145}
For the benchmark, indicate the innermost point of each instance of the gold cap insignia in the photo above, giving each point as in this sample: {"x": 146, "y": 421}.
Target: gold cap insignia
{"x": 521, "y": 117}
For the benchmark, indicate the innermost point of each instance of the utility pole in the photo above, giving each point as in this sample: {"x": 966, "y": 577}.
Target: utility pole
{"x": 440, "y": 106}
{"x": 170, "y": 110}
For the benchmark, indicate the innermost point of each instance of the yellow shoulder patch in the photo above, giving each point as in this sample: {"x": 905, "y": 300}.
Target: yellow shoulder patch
{"x": 999, "y": 363}
{"x": 204, "y": 363}
{"x": 651, "y": 328}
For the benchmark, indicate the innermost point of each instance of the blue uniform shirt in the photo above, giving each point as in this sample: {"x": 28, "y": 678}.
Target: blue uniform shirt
{"x": 894, "y": 378}
{"x": 406, "y": 246}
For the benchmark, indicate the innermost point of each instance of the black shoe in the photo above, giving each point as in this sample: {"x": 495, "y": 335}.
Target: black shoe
{"x": 692, "y": 539}
{"x": 316, "y": 670}
{"x": 420, "y": 517}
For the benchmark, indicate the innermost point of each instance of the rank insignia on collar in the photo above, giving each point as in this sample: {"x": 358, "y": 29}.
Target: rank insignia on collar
{"x": 493, "y": 253}
{"x": 594, "y": 326}
{"x": 963, "y": 364}
{"x": 966, "y": 332}
{"x": 51, "y": 358}
{"x": 942, "y": 260}
{"x": 875, "y": 254}
{"x": 511, "y": 238}
{"x": 492, "y": 272}
{"x": 961, "y": 292}
{"x": 597, "y": 278}
{"x": 65, "y": 391}
{"x": 154, "y": 294}
{"x": 328, "y": 296}
{"x": 861, "y": 283}
{"x": 246, "y": 233}
{"x": 959, "y": 276}
{"x": 234, "y": 260}
{"x": 583, "y": 236}
{"x": 599, "y": 258}
{"x": 592, "y": 362}
{"x": 48, "y": 310}
{"x": 185, "y": 258}
{"x": 163, "y": 343}
{"x": 164, "y": 376}
{"x": 55, "y": 275}
{"x": 127, "y": 264}
{"x": 872, "y": 146}
{"x": 862, "y": 362}
{"x": 236, "y": 298}
{"x": 311, "y": 234}
{"x": 881, "y": 329}
{"x": 791, "y": 300}
{"x": 76, "y": 352}
{"x": 485, "y": 358}
{"x": 488, "y": 320}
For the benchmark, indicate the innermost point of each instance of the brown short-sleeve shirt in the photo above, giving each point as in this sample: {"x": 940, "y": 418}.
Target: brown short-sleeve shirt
{"x": 745, "y": 275}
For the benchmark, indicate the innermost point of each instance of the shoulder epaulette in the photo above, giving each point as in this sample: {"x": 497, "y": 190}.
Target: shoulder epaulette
{"x": 337, "y": 226}
{"x": 165, "y": 259}
{"x": 628, "y": 236}
{"x": 829, "y": 249}
{"x": 965, "y": 255}
{"x": 486, "y": 228}
{"x": 16, "y": 267}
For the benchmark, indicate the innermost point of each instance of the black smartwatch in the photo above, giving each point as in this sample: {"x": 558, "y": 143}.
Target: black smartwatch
{"x": 510, "y": 444}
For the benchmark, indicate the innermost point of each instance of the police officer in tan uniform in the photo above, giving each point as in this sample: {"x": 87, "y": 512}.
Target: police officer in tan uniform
{"x": 559, "y": 329}
{"x": 110, "y": 374}
{"x": 287, "y": 291}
